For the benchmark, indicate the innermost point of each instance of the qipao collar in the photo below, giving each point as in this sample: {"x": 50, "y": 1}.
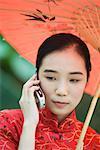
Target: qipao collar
{"x": 50, "y": 121}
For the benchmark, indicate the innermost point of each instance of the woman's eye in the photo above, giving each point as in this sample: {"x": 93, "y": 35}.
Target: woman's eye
{"x": 74, "y": 80}
{"x": 51, "y": 78}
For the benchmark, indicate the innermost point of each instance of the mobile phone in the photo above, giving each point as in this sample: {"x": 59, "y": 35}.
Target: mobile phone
{"x": 40, "y": 98}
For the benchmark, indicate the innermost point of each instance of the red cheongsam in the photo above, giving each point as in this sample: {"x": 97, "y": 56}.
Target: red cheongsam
{"x": 49, "y": 134}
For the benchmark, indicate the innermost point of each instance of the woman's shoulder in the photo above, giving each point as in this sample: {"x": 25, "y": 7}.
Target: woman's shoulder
{"x": 11, "y": 121}
{"x": 11, "y": 114}
{"x": 9, "y": 111}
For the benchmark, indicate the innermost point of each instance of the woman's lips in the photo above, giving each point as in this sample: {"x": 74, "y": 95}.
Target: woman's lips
{"x": 60, "y": 104}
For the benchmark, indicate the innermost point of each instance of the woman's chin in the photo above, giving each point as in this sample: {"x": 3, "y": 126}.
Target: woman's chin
{"x": 58, "y": 111}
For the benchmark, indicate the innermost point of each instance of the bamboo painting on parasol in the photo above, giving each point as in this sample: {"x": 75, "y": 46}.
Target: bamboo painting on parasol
{"x": 35, "y": 20}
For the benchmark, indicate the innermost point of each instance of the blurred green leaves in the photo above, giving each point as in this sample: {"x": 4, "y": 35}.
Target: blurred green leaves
{"x": 21, "y": 68}
{"x": 14, "y": 72}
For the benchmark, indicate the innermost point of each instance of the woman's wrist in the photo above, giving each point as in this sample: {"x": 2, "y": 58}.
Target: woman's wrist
{"x": 28, "y": 132}
{"x": 29, "y": 125}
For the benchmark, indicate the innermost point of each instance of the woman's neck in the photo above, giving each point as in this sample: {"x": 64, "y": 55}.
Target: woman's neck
{"x": 62, "y": 118}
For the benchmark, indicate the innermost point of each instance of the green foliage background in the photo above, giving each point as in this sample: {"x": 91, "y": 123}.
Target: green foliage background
{"x": 15, "y": 71}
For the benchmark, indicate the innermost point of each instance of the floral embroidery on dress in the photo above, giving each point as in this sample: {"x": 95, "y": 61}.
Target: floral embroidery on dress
{"x": 49, "y": 134}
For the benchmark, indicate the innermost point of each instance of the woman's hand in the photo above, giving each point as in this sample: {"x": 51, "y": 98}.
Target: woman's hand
{"x": 28, "y": 102}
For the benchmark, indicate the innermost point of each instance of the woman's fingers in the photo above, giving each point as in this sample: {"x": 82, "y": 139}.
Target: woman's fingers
{"x": 28, "y": 102}
{"x": 30, "y": 83}
{"x": 29, "y": 95}
{"x": 29, "y": 88}
{"x": 29, "y": 91}
{"x": 28, "y": 98}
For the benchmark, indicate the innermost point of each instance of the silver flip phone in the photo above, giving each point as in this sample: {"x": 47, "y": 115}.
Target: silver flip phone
{"x": 40, "y": 98}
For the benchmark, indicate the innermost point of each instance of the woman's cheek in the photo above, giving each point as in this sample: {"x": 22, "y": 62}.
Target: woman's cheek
{"x": 46, "y": 87}
{"x": 77, "y": 91}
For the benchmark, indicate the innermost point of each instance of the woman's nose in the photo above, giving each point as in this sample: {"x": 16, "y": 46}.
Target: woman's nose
{"x": 62, "y": 89}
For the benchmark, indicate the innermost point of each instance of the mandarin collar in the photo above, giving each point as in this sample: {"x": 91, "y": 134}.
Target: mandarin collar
{"x": 50, "y": 121}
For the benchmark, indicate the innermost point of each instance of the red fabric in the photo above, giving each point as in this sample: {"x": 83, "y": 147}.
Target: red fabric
{"x": 49, "y": 135}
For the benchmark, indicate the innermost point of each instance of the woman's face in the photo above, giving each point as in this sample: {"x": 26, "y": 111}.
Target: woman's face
{"x": 63, "y": 78}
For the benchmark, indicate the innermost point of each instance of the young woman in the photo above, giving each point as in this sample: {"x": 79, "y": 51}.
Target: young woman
{"x": 63, "y": 67}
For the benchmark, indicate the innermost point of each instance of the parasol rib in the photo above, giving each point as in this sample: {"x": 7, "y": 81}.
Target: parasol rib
{"x": 88, "y": 118}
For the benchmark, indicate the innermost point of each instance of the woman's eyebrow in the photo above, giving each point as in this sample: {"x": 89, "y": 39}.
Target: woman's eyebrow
{"x": 50, "y": 70}
{"x": 75, "y": 73}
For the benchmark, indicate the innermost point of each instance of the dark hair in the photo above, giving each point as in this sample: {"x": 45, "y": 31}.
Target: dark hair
{"x": 58, "y": 42}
